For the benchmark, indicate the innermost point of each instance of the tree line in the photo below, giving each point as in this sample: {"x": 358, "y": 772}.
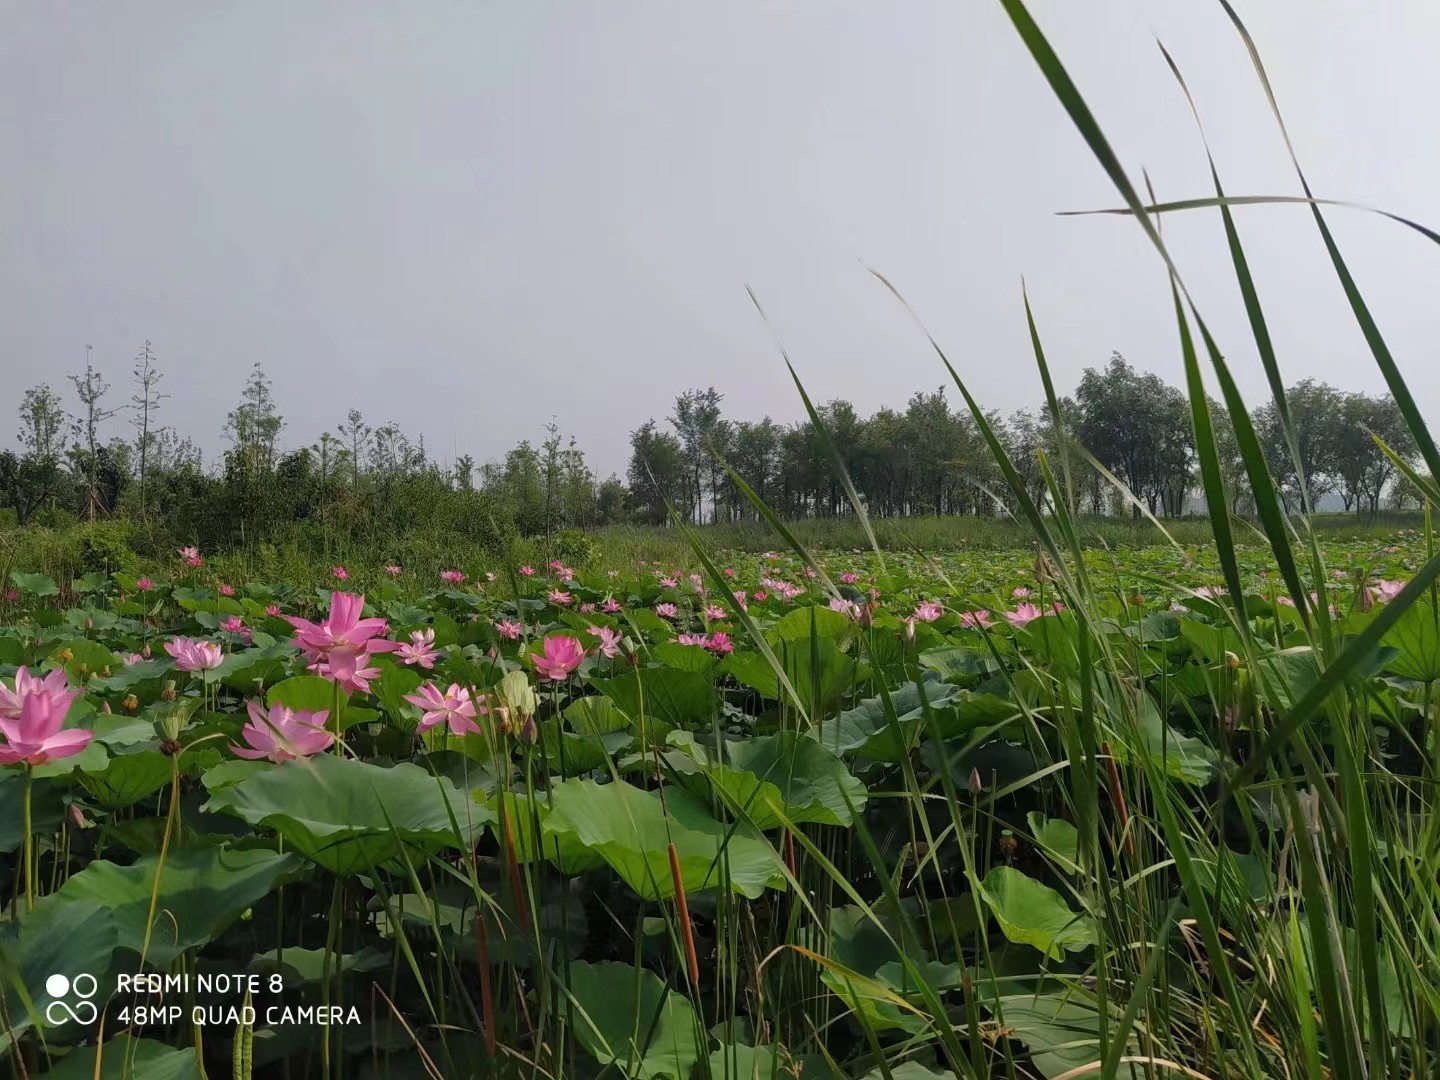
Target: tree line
{"x": 374, "y": 481}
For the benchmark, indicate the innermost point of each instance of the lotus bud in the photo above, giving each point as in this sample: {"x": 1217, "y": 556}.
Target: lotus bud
{"x": 517, "y": 695}
{"x": 77, "y": 817}
{"x": 145, "y": 652}
{"x": 529, "y": 733}
{"x": 167, "y": 692}
{"x": 977, "y": 785}
{"x": 105, "y": 706}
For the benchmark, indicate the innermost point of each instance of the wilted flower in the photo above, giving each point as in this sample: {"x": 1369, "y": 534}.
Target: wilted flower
{"x": 193, "y": 655}
{"x": 454, "y": 708}
{"x": 283, "y": 734}
{"x": 489, "y": 575}
{"x": 420, "y": 649}
{"x": 559, "y": 657}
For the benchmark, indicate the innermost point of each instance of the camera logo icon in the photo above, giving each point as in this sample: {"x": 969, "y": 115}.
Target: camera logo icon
{"x": 60, "y": 1011}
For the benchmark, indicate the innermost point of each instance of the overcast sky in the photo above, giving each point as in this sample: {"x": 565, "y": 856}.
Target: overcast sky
{"x": 467, "y": 216}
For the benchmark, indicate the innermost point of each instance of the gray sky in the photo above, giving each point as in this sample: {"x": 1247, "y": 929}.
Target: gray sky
{"x": 468, "y": 216}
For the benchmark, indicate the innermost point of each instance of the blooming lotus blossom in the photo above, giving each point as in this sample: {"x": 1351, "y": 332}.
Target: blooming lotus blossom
{"x": 509, "y": 629}
{"x": 559, "y": 657}
{"x": 419, "y": 650}
{"x": 451, "y": 577}
{"x": 191, "y": 557}
{"x": 559, "y": 597}
{"x": 36, "y": 736}
{"x": 393, "y": 570}
{"x": 347, "y": 670}
{"x": 720, "y": 643}
{"x": 845, "y": 607}
{"x": 454, "y": 708}
{"x": 193, "y": 655}
{"x": 527, "y": 571}
{"x": 144, "y": 584}
{"x": 696, "y": 580}
{"x": 1386, "y": 590}
{"x": 283, "y": 734}
{"x": 273, "y": 610}
{"x": 610, "y": 606}
{"x": 810, "y": 572}
{"x": 974, "y": 620}
{"x": 928, "y": 610}
{"x": 740, "y": 599}
{"x": 667, "y": 611}
{"x": 715, "y": 612}
{"x": 693, "y": 639}
{"x": 669, "y": 582}
{"x": 849, "y": 578}
{"x": 760, "y": 596}
{"x": 1206, "y": 592}
{"x": 1020, "y": 592}
{"x": 53, "y": 687}
{"x": 340, "y": 573}
{"x": 226, "y": 590}
{"x": 587, "y": 608}
{"x": 729, "y": 572}
{"x": 132, "y": 658}
{"x": 609, "y": 644}
{"x": 236, "y": 625}
{"x": 556, "y": 564}
{"x": 1024, "y": 614}
{"x": 342, "y": 631}
{"x": 565, "y": 574}
{"x": 489, "y": 575}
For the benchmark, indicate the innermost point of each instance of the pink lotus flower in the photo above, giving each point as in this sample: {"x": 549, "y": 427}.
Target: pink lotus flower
{"x": 454, "y": 708}
{"x": 193, "y": 655}
{"x": 759, "y": 596}
{"x": 191, "y": 557}
{"x": 509, "y": 629}
{"x": 561, "y": 655}
{"x": 393, "y": 570}
{"x": 558, "y": 597}
{"x": 273, "y": 610}
{"x": 451, "y": 577}
{"x": 609, "y": 645}
{"x": 36, "y": 736}
{"x": 845, "y": 607}
{"x": 236, "y": 625}
{"x": 565, "y": 574}
{"x": 420, "y": 649}
{"x": 974, "y": 620}
{"x": 611, "y": 605}
{"x": 693, "y": 639}
{"x": 720, "y": 643}
{"x": 667, "y": 611}
{"x": 340, "y": 573}
{"x": 669, "y": 582}
{"x": 144, "y": 584}
{"x": 587, "y": 609}
{"x": 1384, "y": 591}
{"x": 740, "y": 599}
{"x": 527, "y": 571}
{"x": 715, "y": 612}
{"x": 556, "y": 564}
{"x": 226, "y": 590}
{"x": 849, "y": 578}
{"x": 928, "y": 611}
{"x": 132, "y": 658}
{"x": 1023, "y": 614}
{"x": 810, "y": 572}
{"x": 283, "y": 734}
{"x": 343, "y": 630}
{"x": 1206, "y": 592}
{"x": 347, "y": 670}
{"x": 696, "y": 580}
{"x": 728, "y": 572}
{"x": 1020, "y": 592}
{"x": 52, "y": 688}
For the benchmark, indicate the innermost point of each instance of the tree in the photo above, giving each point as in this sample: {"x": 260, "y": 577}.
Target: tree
{"x": 1362, "y": 470}
{"x": 91, "y": 388}
{"x": 255, "y": 424}
{"x": 657, "y": 472}
{"x": 700, "y": 429}
{"x": 145, "y": 402}
{"x": 356, "y": 434}
{"x": 44, "y": 428}
{"x": 1315, "y": 410}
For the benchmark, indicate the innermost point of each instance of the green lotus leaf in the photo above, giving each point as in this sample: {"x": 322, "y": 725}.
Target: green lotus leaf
{"x": 1030, "y": 913}
{"x": 628, "y": 1017}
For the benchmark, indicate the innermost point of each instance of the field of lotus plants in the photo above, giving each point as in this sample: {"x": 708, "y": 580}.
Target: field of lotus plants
{"x": 850, "y": 815}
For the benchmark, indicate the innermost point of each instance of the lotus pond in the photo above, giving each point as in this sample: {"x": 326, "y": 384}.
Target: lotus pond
{"x": 849, "y": 816}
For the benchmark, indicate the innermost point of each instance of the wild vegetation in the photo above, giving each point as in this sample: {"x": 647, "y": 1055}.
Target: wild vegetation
{"x": 1061, "y": 808}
